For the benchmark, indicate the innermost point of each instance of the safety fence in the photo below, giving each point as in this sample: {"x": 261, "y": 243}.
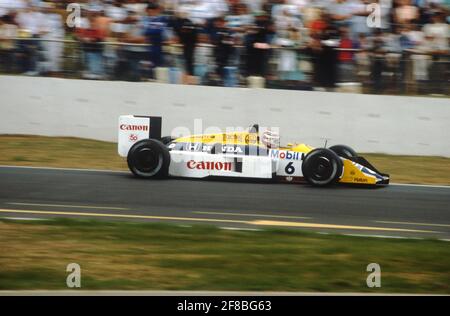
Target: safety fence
{"x": 406, "y": 72}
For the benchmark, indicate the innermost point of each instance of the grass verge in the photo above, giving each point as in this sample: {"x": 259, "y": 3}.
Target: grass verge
{"x": 83, "y": 153}
{"x": 138, "y": 256}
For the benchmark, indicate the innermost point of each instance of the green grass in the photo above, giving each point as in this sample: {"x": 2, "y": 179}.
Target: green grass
{"x": 84, "y": 153}
{"x": 151, "y": 256}
{"x": 59, "y": 152}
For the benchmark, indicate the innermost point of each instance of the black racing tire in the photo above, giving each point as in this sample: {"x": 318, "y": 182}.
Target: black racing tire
{"x": 166, "y": 140}
{"x": 322, "y": 167}
{"x": 149, "y": 158}
{"x": 344, "y": 151}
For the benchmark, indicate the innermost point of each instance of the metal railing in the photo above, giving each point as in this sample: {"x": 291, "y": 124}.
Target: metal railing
{"x": 408, "y": 72}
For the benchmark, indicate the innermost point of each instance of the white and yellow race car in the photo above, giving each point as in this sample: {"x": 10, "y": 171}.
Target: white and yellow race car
{"x": 244, "y": 154}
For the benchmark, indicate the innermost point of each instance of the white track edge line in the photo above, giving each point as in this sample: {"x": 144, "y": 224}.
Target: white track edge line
{"x": 255, "y": 229}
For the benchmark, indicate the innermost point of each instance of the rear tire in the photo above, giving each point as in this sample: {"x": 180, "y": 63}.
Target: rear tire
{"x": 149, "y": 158}
{"x": 322, "y": 167}
{"x": 344, "y": 151}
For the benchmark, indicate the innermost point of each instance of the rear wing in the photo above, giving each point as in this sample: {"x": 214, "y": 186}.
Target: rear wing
{"x": 133, "y": 128}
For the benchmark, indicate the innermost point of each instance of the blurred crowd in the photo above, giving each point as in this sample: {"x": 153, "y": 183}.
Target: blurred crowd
{"x": 306, "y": 43}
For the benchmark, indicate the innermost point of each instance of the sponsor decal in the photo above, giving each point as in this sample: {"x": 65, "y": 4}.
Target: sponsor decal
{"x": 198, "y": 147}
{"x": 208, "y": 138}
{"x": 232, "y": 138}
{"x": 207, "y": 148}
{"x": 251, "y": 139}
{"x": 209, "y": 165}
{"x": 193, "y": 147}
{"x": 133, "y": 137}
{"x": 132, "y": 127}
{"x": 360, "y": 180}
{"x": 286, "y": 154}
{"x": 231, "y": 149}
{"x": 241, "y": 138}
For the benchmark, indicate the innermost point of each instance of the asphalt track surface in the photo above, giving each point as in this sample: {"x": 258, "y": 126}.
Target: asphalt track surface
{"x": 395, "y": 210}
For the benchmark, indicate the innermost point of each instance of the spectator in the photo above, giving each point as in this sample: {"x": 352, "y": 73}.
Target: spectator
{"x": 319, "y": 24}
{"x": 258, "y": 41}
{"x": 299, "y": 5}
{"x": 30, "y": 22}
{"x": 8, "y": 31}
{"x": 415, "y": 34}
{"x": 238, "y": 21}
{"x": 362, "y": 58}
{"x": 8, "y": 7}
{"x": 377, "y": 52}
{"x": 135, "y": 52}
{"x": 222, "y": 39}
{"x": 420, "y": 59}
{"x": 117, "y": 15}
{"x": 341, "y": 13}
{"x": 136, "y": 7}
{"x": 280, "y": 10}
{"x": 312, "y": 11}
{"x": 204, "y": 58}
{"x": 156, "y": 33}
{"x": 386, "y": 12}
{"x": 358, "y": 21}
{"x": 396, "y": 45}
{"x": 345, "y": 56}
{"x": 438, "y": 30}
{"x": 187, "y": 35}
{"x": 97, "y": 5}
{"x": 52, "y": 35}
{"x": 107, "y": 26}
{"x": 405, "y": 13}
{"x": 288, "y": 38}
{"x": 254, "y": 5}
{"x": 323, "y": 56}
{"x": 200, "y": 11}
{"x": 437, "y": 35}
{"x": 91, "y": 37}
{"x": 104, "y": 23}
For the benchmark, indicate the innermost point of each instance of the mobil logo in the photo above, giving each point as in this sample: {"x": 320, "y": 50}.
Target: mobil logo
{"x": 286, "y": 154}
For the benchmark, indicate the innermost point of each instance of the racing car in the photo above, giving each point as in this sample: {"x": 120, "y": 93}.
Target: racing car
{"x": 248, "y": 154}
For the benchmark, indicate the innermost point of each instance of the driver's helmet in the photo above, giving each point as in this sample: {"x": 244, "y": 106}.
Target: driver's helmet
{"x": 270, "y": 138}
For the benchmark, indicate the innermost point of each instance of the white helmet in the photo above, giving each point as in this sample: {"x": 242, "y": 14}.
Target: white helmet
{"x": 271, "y": 139}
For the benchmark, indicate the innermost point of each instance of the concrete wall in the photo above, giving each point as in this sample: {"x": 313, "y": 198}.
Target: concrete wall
{"x": 388, "y": 124}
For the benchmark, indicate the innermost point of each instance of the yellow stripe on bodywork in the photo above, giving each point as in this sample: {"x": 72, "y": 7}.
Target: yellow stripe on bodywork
{"x": 235, "y": 138}
{"x": 238, "y": 138}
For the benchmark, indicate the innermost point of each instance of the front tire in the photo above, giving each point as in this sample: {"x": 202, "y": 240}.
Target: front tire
{"x": 149, "y": 158}
{"x": 344, "y": 151}
{"x": 322, "y": 167}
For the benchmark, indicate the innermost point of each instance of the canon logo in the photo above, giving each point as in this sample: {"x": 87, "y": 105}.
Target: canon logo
{"x": 209, "y": 165}
{"x": 129, "y": 127}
